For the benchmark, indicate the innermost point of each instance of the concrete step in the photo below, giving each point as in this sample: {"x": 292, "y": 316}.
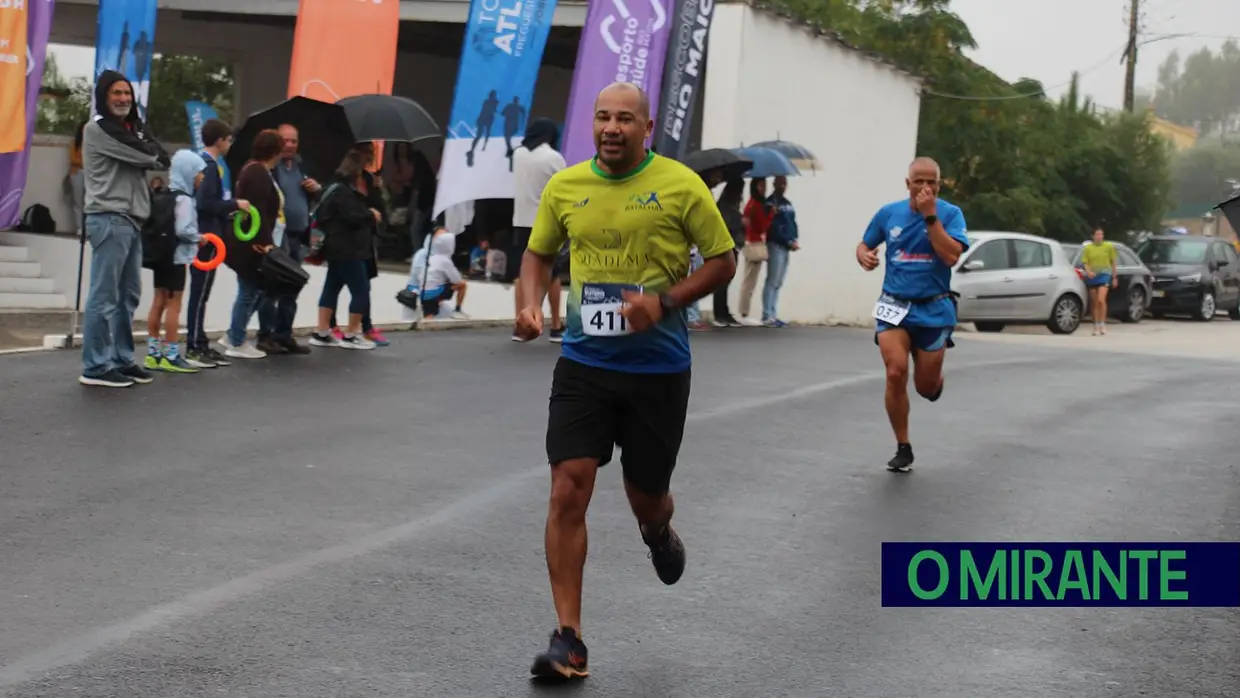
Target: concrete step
{"x": 24, "y": 270}
{"x": 33, "y": 300}
{"x": 12, "y": 253}
{"x": 20, "y": 284}
{"x": 24, "y": 329}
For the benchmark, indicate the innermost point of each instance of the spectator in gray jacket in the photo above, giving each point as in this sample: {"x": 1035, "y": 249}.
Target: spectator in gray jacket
{"x": 117, "y": 151}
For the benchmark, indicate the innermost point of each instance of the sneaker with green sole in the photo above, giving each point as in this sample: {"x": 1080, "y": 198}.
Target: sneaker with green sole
{"x": 176, "y": 364}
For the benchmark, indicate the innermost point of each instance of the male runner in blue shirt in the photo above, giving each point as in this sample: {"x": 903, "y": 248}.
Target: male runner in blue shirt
{"x": 916, "y": 312}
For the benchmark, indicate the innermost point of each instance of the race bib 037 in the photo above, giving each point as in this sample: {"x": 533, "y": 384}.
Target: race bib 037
{"x": 890, "y": 310}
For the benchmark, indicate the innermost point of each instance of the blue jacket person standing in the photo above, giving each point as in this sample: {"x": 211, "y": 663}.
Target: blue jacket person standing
{"x": 915, "y": 313}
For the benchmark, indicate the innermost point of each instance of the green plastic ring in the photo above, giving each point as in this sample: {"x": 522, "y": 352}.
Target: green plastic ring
{"x": 255, "y": 222}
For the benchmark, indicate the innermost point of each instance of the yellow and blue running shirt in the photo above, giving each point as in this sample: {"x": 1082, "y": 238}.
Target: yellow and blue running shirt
{"x": 627, "y": 232}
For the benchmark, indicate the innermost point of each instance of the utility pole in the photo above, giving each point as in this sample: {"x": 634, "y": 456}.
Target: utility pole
{"x": 1130, "y": 54}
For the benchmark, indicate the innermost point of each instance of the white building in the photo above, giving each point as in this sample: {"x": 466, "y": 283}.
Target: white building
{"x": 766, "y": 77}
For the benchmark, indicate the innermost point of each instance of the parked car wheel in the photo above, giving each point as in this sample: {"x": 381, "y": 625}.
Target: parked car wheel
{"x": 1066, "y": 315}
{"x": 1136, "y": 305}
{"x": 1205, "y": 311}
{"x": 989, "y": 326}
{"x": 1234, "y": 313}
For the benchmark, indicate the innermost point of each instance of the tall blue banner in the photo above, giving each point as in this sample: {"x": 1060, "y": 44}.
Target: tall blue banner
{"x": 199, "y": 113}
{"x": 504, "y": 43}
{"x": 125, "y": 42}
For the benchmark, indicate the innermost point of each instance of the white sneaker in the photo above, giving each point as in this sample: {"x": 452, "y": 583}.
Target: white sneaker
{"x": 324, "y": 340}
{"x": 246, "y": 351}
{"x": 356, "y": 342}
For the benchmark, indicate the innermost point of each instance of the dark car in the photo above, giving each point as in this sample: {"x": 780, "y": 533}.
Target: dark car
{"x": 1130, "y": 299}
{"x": 1193, "y": 275}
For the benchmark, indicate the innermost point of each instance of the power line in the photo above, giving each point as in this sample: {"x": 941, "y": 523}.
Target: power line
{"x": 1040, "y": 93}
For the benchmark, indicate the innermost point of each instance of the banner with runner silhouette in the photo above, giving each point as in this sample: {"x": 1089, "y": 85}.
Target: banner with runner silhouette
{"x": 504, "y": 43}
{"x": 622, "y": 41}
{"x": 682, "y": 77}
{"x": 125, "y": 42}
{"x": 24, "y": 29}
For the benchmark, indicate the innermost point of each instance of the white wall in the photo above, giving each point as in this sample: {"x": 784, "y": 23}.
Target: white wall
{"x": 768, "y": 78}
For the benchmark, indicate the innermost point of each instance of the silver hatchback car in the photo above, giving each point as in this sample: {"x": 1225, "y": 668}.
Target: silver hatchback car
{"x": 1017, "y": 279}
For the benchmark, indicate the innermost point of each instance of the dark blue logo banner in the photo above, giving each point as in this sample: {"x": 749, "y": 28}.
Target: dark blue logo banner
{"x": 1061, "y": 574}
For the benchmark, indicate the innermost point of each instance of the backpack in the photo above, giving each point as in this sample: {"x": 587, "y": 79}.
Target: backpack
{"x": 316, "y": 234}
{"x": 37, "y": 218}
{"x": 159, "y": 232}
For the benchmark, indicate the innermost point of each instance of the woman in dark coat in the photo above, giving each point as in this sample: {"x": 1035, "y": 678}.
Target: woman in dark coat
{"x": 257, "y": 185}
{"x": 348, "y": 219}
{"x": 730, "y": 207}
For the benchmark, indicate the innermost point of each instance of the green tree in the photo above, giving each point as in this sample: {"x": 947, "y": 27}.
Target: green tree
{"x": 1011, "y": 158}
{"x": 1202, "y": 90}
{"x": 1201, "y": 175}
{"x": 174, "y": 81}
{"x": 61, "y": 115}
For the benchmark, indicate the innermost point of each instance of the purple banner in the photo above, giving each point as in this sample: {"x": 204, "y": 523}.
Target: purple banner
{"x": 13, "y": 165}
{"x": 622, "y": 41}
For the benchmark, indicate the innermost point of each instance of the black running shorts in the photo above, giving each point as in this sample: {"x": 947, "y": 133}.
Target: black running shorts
{"x": 169, "y": 277}
{"x": 516, "y": 251}
{"x": 593, "y": 410}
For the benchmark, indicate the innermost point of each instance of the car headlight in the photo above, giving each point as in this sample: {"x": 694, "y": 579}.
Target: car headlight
{"x": 1191, "y": 278}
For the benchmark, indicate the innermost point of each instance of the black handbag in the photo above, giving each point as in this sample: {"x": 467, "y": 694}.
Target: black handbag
{"x": 282, "y": 275}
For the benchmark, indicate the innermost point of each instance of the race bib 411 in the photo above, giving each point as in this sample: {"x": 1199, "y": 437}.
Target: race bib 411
{"x": 601, "y": 306}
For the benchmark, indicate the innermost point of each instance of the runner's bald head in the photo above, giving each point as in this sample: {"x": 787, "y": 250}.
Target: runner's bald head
{"x": 923, "y": 173}
{"x": 625, "y": 92}
{"x": 923, "y": 165}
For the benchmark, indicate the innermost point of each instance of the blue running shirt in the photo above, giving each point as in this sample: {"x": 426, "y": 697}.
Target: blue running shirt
{"x": 912, "y": 268}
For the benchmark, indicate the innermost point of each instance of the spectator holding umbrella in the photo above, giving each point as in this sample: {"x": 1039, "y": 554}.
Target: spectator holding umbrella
{"x": 348, "y": 216}
{"x": 730, "y": 207}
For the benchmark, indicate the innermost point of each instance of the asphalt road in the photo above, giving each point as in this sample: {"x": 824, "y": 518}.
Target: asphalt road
{"x": 370, "y": 524}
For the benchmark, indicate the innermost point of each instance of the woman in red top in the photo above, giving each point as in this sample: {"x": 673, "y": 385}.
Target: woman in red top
{"x": 758, "y": 215}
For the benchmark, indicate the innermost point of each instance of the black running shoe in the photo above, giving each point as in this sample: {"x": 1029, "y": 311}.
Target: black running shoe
{"x": 566, "y": 657}
{"x": 136, "y": 373}
{"x": 903, "y": 460}
{"x": 667, "y": 552}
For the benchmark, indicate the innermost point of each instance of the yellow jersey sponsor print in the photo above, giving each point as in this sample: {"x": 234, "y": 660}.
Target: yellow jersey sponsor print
{"x": 627, "y": 232}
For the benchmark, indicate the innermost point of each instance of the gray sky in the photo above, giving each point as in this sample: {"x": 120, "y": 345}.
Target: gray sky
{"x": 1041, "y": 39}
{"x": 1048, "y": 39}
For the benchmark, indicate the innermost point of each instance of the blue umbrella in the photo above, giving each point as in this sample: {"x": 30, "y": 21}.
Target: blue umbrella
{"x": 798, "y": 154}
{"x": 767, "y": 163}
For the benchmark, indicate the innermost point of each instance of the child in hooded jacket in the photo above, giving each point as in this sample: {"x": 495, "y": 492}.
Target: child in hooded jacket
{"x": 184, "y": 176}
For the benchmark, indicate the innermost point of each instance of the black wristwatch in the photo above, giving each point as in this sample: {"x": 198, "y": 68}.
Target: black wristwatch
{"x": 666, "y": 302}
{"x": 931, "y": 220}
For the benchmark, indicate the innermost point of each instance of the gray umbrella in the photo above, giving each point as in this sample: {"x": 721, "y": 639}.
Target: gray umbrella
{"x": 388, "y": 118}
{"x": 728, "y": 163}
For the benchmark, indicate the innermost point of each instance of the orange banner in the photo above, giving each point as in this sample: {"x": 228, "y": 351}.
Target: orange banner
{"x": 13, "y": 52}
{"x": 345, "y": 48}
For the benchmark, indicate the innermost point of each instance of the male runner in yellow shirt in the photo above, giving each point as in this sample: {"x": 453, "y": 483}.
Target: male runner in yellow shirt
{"x": 622, "y": 379}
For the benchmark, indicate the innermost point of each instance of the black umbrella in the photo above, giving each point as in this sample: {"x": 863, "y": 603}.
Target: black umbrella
{"x": 389, "y": 118}
{"x": 324, "y": 135}
{"x": 727, "y": 163}
{"x": 1231, "y": 209}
